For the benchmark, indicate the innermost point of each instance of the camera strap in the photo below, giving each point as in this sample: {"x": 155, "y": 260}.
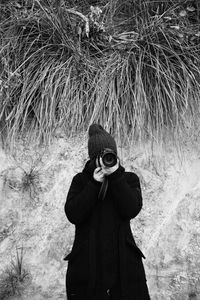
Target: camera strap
{"x": 103, "y": 190}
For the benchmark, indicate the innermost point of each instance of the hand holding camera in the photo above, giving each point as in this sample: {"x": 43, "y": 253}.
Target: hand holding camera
{"x": 109, "y": 170}
{"x": 107, "y": 163}
{"x": 98, "y": 174}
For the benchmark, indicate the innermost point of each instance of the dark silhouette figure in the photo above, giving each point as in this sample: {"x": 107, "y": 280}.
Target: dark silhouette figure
{"x": 105, "y": 262}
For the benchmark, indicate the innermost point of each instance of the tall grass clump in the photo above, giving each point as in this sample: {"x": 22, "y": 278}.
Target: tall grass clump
{"x": 14, "y": 278}
{"x": 131, "y": 65}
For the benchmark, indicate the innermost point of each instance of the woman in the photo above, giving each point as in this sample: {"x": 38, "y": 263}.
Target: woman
{"x": 105, "y": 262}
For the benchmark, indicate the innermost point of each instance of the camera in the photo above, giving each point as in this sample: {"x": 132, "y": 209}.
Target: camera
{"x": 109, "y": 158}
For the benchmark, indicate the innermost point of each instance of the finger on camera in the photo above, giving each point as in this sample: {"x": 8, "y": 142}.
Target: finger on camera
{"x": 101, "y": 174}
{"x": 97, "y": 170}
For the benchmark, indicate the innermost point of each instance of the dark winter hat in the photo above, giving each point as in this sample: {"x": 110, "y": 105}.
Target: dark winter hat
{"x": 99, "y": 139}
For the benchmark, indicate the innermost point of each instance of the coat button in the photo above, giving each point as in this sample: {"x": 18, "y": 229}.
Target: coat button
{"x": 108, "y": 292}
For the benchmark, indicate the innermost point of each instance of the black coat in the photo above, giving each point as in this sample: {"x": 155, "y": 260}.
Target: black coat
{"x": 104, "y": 253}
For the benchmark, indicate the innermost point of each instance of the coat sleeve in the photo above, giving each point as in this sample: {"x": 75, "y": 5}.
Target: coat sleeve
{"x": 126, "y": 192}
{"x": 81, "y": 199}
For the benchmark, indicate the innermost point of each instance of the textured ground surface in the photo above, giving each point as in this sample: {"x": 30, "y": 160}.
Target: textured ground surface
{"x": 167, "y": 229}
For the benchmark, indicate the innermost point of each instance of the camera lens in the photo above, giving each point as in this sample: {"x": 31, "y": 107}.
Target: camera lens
{"x": 109, "y": 159}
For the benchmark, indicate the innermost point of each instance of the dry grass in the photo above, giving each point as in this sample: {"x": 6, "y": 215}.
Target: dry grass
{"x": 24, "y": 180}
{"x": 14, "y": 278}
{"x": 130, "y": 65}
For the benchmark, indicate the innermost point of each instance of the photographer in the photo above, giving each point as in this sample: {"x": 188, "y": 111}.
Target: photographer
{"x": 104, "y": 262}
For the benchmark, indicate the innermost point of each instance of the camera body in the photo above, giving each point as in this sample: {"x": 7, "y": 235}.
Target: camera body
{"x": 109, "y": 158}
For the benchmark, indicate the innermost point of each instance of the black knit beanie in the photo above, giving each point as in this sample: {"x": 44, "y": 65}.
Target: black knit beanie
{"x": 99, "y": 139}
